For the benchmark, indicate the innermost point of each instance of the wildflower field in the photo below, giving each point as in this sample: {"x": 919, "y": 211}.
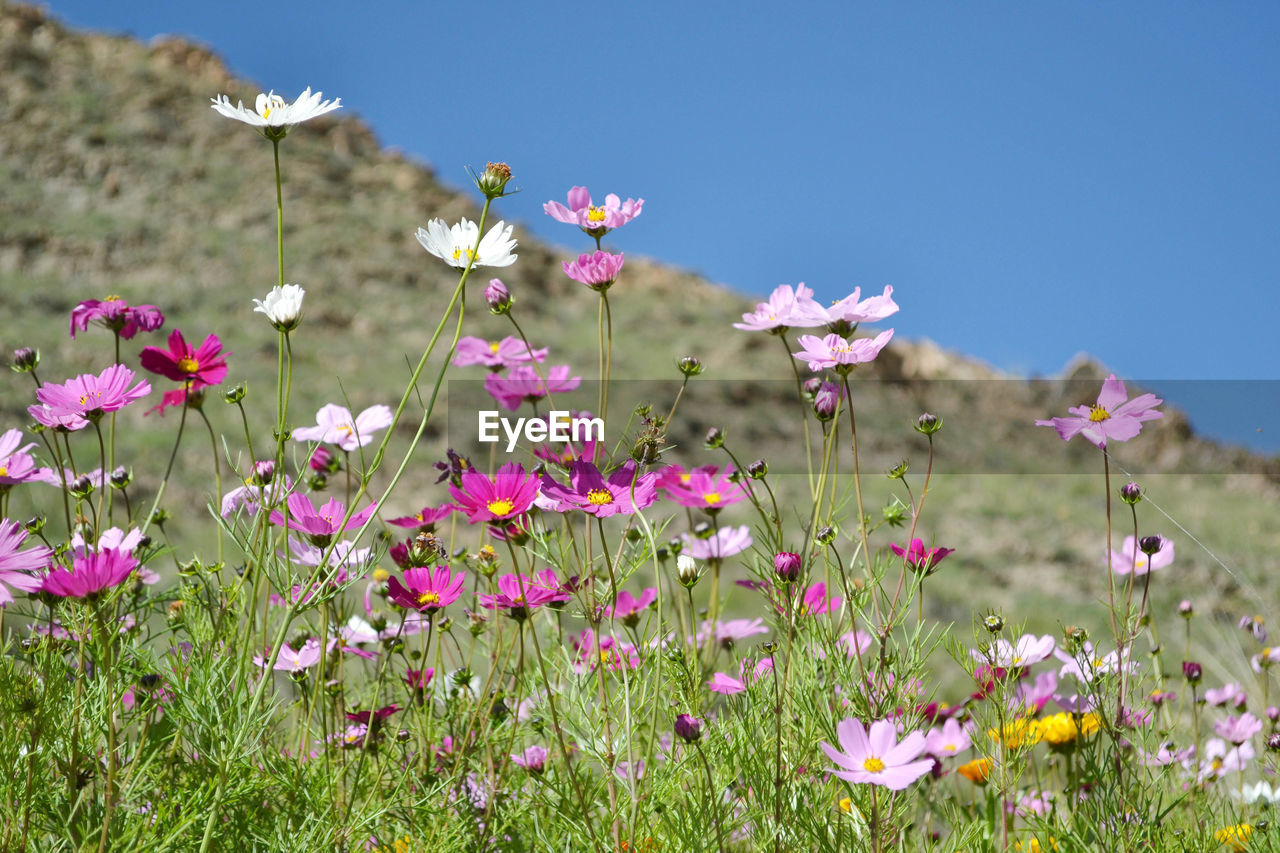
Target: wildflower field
{"x": 584, "y": 636}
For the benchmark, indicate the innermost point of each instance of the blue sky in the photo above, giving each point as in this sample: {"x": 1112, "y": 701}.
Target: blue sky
{"x": 1035, "y": 180}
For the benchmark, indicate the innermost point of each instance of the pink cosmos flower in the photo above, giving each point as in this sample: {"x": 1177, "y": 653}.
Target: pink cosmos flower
{"x": 1269, "y": 656}
{"x": 847, "y": 313}
{"x": 426, "y": 589}
{"x": 1167, "y": 754}
{"x": 16, "y": 465}
{"x": 289, "y": 660}
{"x": 533, "y": 759}
{"x": 876, "y": 757}
{"x": 117, "y": 315}
{"x": 1230, "y": 695}
{"x": 594, "y": 220}
{"x": 423, "y": 518}
{"x": 335, "y": 425}
{"x": 629, "y": 607}
{"x": 62, "y": 423}
{"x": 321, "y": 526}
{"x": 508, "y": 494}
{"x": 16, "y": 565}
{"x": 1238, "y": 729}
{"x": 726, "y": 684}
{"x": 919, "y": 558}
{"x": 344, "y": 554}
{"x": 835, "y": 351}
{"x": 597, "y": 271}
{"x": 259, "y": 488}
{"x": 726, "y": 542}
{"x": 1088, "y": 664}
{"x": 707, "y": 490}
{"x": 89, "y": 396}
{"x": 90, "y": 573}
{"x": 948, "y": 740}
{"x": 518, "y": 595}
{"x": 592, "y": 650}
{"x": 495, "y": 355}
{"x": 676, "y": 477}
{"x": 1113, "y": 416}
{"x": 1028, "y": 650}
{"x": 815, "y": 601}
{"x": 67, "y": 478}
{"x": 196, "y": 366}
{"x": 117, "y": 539}
{"x": 1130, "y": 559}
{"x": 785, "y": 309}
{"x": 735, "y": 630}
{"x": 623, "y": 493}
{"x": 1218, "y": 761}
{"x": 523, "y": 384}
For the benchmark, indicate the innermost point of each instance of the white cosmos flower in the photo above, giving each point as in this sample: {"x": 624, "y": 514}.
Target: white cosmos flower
{"x": 272, "y": 111}
{"x": 454, "y": 244}
{"x": 283, "y": 306}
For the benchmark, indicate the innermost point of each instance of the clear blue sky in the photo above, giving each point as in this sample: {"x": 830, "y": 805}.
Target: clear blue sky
{"x": 1034, "y": 179}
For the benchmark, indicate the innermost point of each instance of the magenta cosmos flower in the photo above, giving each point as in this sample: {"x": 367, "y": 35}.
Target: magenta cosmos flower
{"x": 835, "y": 351}
{"x": 17, "y": 565}
{"x": 495, "y": 355}
{"x": 196, "y": 368}
{"x": 423, "y": 518}
{"x": 335, "y": 425}
{"x": 508, "y": 494}
{"x": 598, "y": 271}
{"x": 322, "y": 525}
{"x": 876, "y": 757}
{"x": 533, "y": 759}
{"x": 90, "y": 573}
{"x": 426, "y": 589}
{"x": 16, "y": 465}
{"x": 919, "y": 558}
{"x": 89, "y": 396}
{"x": 518, "y": 595}
{"x": 523, "y": 384}
{"x": 726, "y": 684}
{"x": 1130, "y": 559}
{"x": 623, "y": 493}
{"x": 785, "y": 309}
{"x": 629, "y": 607}
{"x": 117, "y": 315}
{"x": 706, "y": 489}
{"x": 596, "y": 221}
{"x": 1113, "y": 416}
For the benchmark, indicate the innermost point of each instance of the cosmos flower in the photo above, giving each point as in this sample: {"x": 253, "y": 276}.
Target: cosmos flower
{"x": 875, "y": 756}
{"x": 306, "y": 656}
{"x": 495, "y": 355}
{"x": 523, "y": 384}
{"x": 273, "y": 114}
{"x": 843, "y": 355}
{"x": 90, "y": 573}
{"x": 335, "y": 425}
{"x": 726, "y": 684}
{"x": 707, "y": 489}
{"x": 1029, "y": 649}
{"x": 594, "y": 220}
{"x": 629, "y": 607}
{"x": 1238, "y": 729}
{"x": 919, "y": 558}
{"x": 321, "y": 526}
{"x": 785, "y": 309}
{"x": 815, "y": 601}
{"x": 456, "y": 244}
{"x": 206, "y": 364}
{"x": 426, "y": 589}
{"x": 16, "y": 565}
{"x": 16, "y": 465}
{"x": 597, "y": 271}
{"x": 518, "y": 595}
{"x": 533, "y": 759}
{"x": 847, "y": 313}
{"x": 283, "y": 306}
{"x": 425, "y": 517}
{"x": 623, "y": 493}
{"x": 1131, "y": 559}
{"x": 117, "y": 315}
{"x": 726, "y": 542}
{"x": 1113, "y": 416}
{"x": 508, "y": 494}
{"x": 948, "y": 740}
{"x": 89, "y": 396}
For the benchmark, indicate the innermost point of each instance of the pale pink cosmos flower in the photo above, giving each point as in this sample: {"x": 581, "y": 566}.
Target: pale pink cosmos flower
{"x": 522, "y": 383}
{"x": 835, "y": 351}
{"x": 876, "y": 756}
{"x": 1238, "y": 729}
{"x": 1168, "y": 753}
{"x": 726, "y": 684}
{"x": 1231, "y": 694}
{"x": 335, "y": 425}
{"x": 1218, "y": 761}
{"x": 948, "y": 740}
{"x": 732, "y": 631}
{"x": 89, "y": 396}
{"x": 495, "y": 355}
{"x": 1129, "y": 559}
{"x": 119, "y": 540}
{"x": 1113, "y": 416}
{"x": 262, "y": 487}
{"x": 726, "y": 542}
{"x": 1028, "y": 650}
{"x": 592, "y": 219}
{"x": 1088, "y": 664}
{"x": 785, "y": 309}
{"x": 16, "y": 465}
{"x": 598, "y": 271}
{"x": 306, "y": 656}
{"x": 629, "y": 607}
{"x": 16, "y": 565}
{"x": 852, "y": 310}
{"x": 341, "y": 554}
{"x": 66, "y": 477}
{"x": 45, "y": 416}
{"x": 1270, "y": 655}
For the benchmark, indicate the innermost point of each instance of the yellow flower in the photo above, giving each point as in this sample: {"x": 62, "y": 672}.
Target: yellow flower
{"x": 1017, "y": 733}
{"x": 1236, "y": 837}
{"x": 1061, "y": 730}
{"x": 1034, "y": 846}
{"x": 976, "y": 771}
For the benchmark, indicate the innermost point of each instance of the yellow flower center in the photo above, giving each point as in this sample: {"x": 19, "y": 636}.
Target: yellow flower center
{"x": 951, "y": 747}
{"x": 346, "y": 429}
{"x": 458, "y": 252}
{"x": 686, "y": 477}
{"x": 4, "y": 472}
{"x": 599, "y": 497}
{"x": 846, "y": 805}
{"x": 595, "y": 214}
{"x": 500, "y": 507}
{"x": 92, "y": 395}
{"x": 379, "y": 575}
{"x": 873, "y": 765}
{"x": 429, "y": 598}
{"x": 711, "y": 498}
{"x": 188, "y": 364}
{"x": 1097, "y": 414}
{"x": 275, "y": 102}
{"x": 605, "y": 656}
{"x": 493, "y": 347}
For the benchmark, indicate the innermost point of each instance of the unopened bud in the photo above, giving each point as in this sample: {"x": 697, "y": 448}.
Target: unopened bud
{"x": 1150, "y": 544}
{"x": 1185, "y": 610}
{"x": 1192, "y": 672}
{"x": 687, "y": 571}
{"x": 825, "y": 401}
{"x": 121, "y": 478}
{"x": 826, "y": 535}
{"x": 1131, "y": 493}
{"x": 715, "y": 438}
{"x": 690, "y": 365}
{"x": 1273, "y": 741}
{"x": 81, "y": 487}
{"x": 897, "y": 472}
{"x": 928, "y": 424}
{"x": 786, "y": 565}
{"x": 993, "y": 622}
{"x": 235, "y": 395}
{"x": 497, "y": 297}
{"x": 25, "y": 360}
{"x": 34, "y": 524}
{"x": 688, "y": 728}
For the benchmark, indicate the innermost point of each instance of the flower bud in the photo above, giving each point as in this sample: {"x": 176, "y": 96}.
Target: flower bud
{"x": 1074, "y": 638}
{"x": 34, "y": 524}
{"x": 81, "y": 487}
{"x": 1131, "y": 493}
{"x": 715, "y": 438}
{"x": 1192, "y": 672}
{"x": 825, "y": 401}
{"x": 1150, "y": 544}
{"x": 1273, "y": 713}
{"x": 120, "y": 478}
{"x": 688, "y": 728}
{"x": 675, "y": 546}
{"x": 757, "y": 469}
{"x": 928, "y": 424}
{"x": 25, "y": 360}
{"x": 687, "y": 571}
{"x": 786, "y": 565}
{"x": 234, "y": 395}
{"x": 318, "y": 482}
{"x": 1273, "y": 741}
{"x": 323, "y": 460}
{"x": 897, "y": 472}
{"x": 497, "y": 296}
{"x": 812, "y": 386}
{"x": 690, "y": 365}
{"x": 826, "y": 535}
{"x": 1185, "y": 610}
{"x": 993, "y": 622}
{"x": 493, "y": 179}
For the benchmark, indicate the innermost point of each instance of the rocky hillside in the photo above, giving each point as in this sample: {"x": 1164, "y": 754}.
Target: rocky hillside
{"x": 118, "y": 178}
